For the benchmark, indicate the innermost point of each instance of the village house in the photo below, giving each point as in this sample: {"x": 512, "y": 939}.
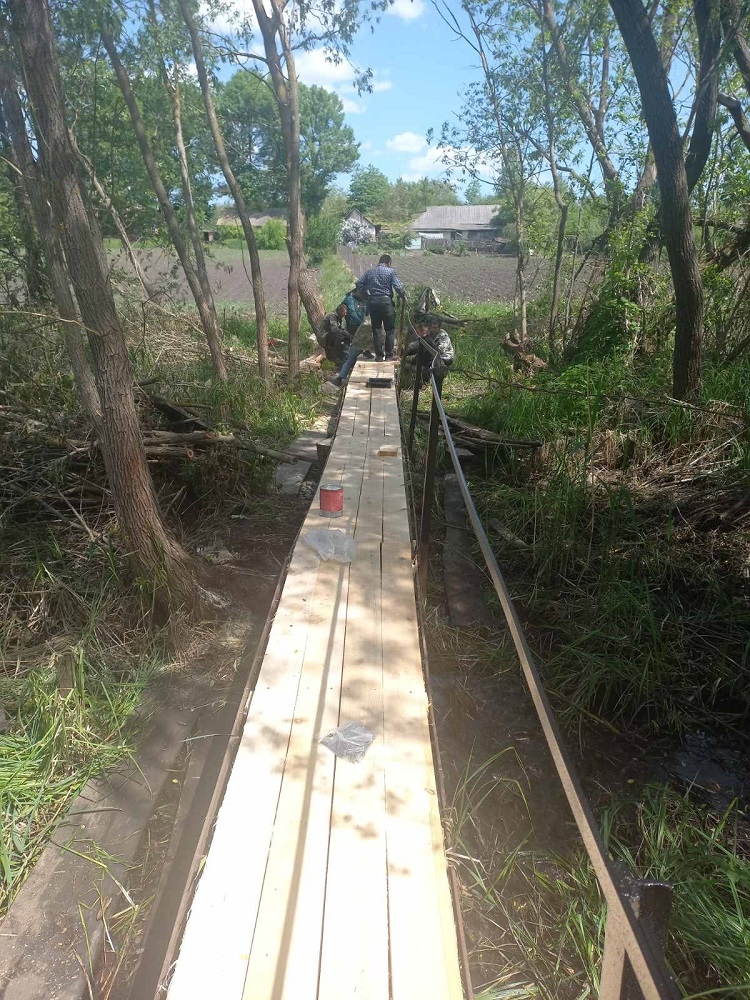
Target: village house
{"x": 373, "y": 228}
{"x": 448, "y": 223}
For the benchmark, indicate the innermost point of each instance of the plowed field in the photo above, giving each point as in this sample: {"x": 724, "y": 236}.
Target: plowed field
{"x": 473, "y": 278}
{"x": 229, "y": 271}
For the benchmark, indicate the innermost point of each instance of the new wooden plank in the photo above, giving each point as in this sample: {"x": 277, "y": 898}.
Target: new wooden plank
{"x": 424, "y": 951}
{"x": 285, "y": 953}
{"x": 214, "y": 952}
{"x": 216, "y": 944}
{"x": 354, "y": 956}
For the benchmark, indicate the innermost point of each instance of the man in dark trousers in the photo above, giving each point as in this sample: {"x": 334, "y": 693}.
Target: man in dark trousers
{"x": 334, "y": 336}
{"x": 379, "y": 284}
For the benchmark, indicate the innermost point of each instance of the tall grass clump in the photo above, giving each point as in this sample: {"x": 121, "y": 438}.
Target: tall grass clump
{"x": 55, "y": 741}
{"x": 550, "y": 916}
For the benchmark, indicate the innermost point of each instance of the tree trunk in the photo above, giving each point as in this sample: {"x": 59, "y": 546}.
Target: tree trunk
{"x": 70, "y": 327}
{"x": 259, "y": 298}
{"x": 273, "y": 29}
{"x": 206, "y": 310}
{"x": 33, "y": 263}
{"x": 207, "y": 305}
{"x": 311, "y": 299}
{"x": 157, "y": 558}
{"x": 677, "y": 223}
{"x": 590, "y": 118}
{"x": 562, "y": 205}
{"x": 708, "y": 27}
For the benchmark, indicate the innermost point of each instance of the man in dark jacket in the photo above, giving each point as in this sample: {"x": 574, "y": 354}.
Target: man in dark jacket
{"x": 356, "y": 309}
{"x": 438, "y": 355}
{"x": 334, "y": 336}
{"x": 379, "y": 284}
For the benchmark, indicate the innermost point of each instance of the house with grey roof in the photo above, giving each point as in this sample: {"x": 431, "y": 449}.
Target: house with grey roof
{"x": 447, "y": 223}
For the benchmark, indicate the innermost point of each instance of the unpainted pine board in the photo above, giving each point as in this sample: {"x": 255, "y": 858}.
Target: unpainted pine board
{"x": 354, "y": 957}
{"x": 285, "y": 953}
{"x": 215, "y": 946}
{"x": 424, "y": 949}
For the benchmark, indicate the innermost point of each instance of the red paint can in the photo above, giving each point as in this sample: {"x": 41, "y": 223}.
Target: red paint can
{"x": 331, "y": 500}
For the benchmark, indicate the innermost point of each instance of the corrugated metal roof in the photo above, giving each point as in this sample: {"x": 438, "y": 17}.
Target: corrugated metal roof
{"x": 455, "y": 217}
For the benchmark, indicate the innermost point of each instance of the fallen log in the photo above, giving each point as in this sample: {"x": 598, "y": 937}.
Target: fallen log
{"x": 208, "y": 438}
{"x": 182, "y": 442}
{"x": 466, "y": 433}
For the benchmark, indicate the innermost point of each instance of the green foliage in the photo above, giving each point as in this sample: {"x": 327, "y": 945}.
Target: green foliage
{"x": 632, "y": 299}
{"x": 395, "y": 238}
{"x": 271, "y": 236}
{"x": 321, "y": 236}
{"x": 554, "y": 916}
{"x": 256, "y": 148}
{"x": 373, "y": 194}
{"x": 11, "y": 246}
{"x": 368, "y": 190}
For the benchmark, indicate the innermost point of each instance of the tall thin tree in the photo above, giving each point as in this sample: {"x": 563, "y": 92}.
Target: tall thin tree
{"x": 259, "y": 298}
{"x": 157, "y": 558}
{"x": 200, "y": 288}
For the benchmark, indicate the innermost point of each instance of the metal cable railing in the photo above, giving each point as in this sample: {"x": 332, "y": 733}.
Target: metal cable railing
{"x": 637, "y": 912}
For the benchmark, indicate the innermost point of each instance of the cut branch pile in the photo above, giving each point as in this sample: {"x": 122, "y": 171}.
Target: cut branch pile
{"x": 477, "y": 438}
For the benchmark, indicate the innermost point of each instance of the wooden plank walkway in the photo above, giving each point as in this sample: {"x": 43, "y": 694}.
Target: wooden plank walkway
{"x": 327, "y": 880}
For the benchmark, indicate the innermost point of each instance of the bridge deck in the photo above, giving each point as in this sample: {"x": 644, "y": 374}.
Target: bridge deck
{"x": 327, "y": 879}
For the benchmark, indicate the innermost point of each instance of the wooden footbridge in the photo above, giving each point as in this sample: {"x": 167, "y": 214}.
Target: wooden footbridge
{"x": 327, "y": 879}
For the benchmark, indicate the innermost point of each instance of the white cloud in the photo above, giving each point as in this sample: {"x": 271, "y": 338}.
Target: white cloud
{"x": 352, "y": 107}
{"x": 407, "y": 10}
{"x": 227, "y": 19}
{"x": 434, "y": 162}
{"x": 315, "y": 68}
{"x": 406, "y": 142}
{"x": 364, "y": 146}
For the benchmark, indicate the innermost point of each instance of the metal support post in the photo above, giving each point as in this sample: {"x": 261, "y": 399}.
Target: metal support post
{"x": 428, "y": 490}
{"x": 652, "y": 903}
{"x": 415, "y": 401}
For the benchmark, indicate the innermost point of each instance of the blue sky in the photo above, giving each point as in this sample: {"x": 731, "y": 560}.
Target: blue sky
{"x": 419, "y": 73}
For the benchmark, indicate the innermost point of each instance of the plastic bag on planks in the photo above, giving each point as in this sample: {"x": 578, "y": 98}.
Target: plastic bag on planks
{"x": 350, "y": 742}
{"x": 330, "y": 543}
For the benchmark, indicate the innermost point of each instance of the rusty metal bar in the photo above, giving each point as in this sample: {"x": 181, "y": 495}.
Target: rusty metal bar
{"x": 648, "y": 965}
{"x": 428, "y": 490}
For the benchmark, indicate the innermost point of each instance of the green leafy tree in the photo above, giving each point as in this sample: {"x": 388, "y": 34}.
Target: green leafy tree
{"x": 369, "y": 190}
{"x": 256, "y": 147}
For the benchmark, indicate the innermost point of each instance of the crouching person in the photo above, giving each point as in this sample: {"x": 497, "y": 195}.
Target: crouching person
{"x": 334, "y": 337}
{"x": 361, "y": 342}
{"x": 438, "y": 354}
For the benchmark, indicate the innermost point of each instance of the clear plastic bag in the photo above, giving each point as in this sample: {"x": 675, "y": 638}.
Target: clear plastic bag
{"x": 332, "y": 544}
{"x": 350, "y": 742}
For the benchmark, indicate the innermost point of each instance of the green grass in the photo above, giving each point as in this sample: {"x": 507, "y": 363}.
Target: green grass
{"x": 642, "y": 619}
{"x": 67, "y": 602}
{"x": 548, "y": 911}
{"x": 75, "y": 656}
{"x": 55, "y": 743}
